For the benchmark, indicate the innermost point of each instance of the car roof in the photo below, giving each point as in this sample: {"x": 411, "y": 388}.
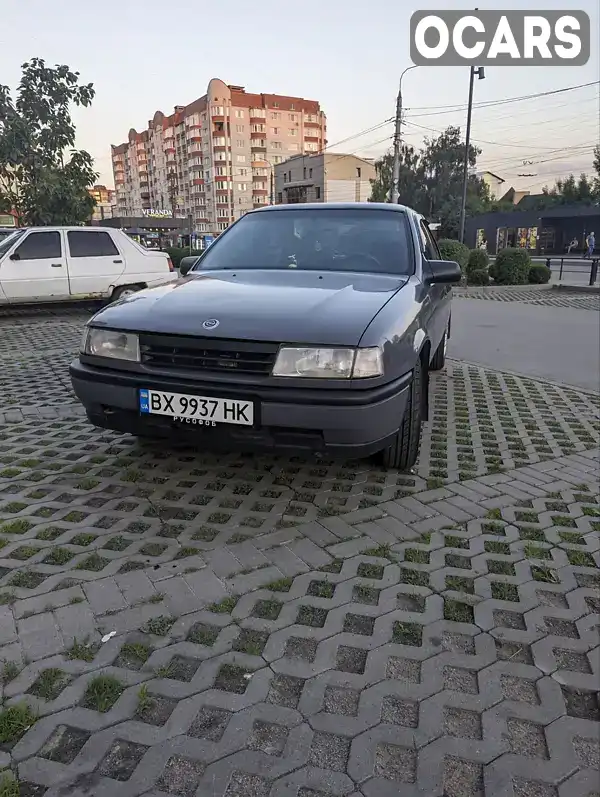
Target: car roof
{"x": 333, "y": 206}
{"x": 57, "y": 227}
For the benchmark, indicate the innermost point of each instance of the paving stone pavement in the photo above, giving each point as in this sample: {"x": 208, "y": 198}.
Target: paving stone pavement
{"x": 179, "y": 623}
{"x": 529, "y": 295}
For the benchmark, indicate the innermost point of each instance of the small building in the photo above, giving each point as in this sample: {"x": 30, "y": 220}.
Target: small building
{"x": 542, "y": 232}
{"x": 326, "y": 177}
{"x": 494, "y": 183}
{"x": 151, "y": 232}
{"x": 105, "y": 202}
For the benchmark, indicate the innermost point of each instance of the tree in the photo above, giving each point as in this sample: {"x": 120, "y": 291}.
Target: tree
{"x": 431, "y": 180}
{"x": 43, "y": 178}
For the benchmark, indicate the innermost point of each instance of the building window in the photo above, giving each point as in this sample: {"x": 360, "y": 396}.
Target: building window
{"x": 240, "y": 158}
{"x": 257, "y": 128}
{"x": 275, "y": 131}
{"x": 310, "y": 173}
{"x": 276, "y": 115}
{"x": 277, "y": 158}
{"x": 276, "y": 144}
{"x": 239, "y": 128}
{"x": 317, "y": 192}
{"x": 220, "y": 171}
{"x": 239, "y": 114}
{"x": 217, "y": 110}
{"x": 223, "y": 212}
{"x": 358, "y": 172}
{"x": 293, "y": 132}
{"x": 279, "y": 198}
{"x": 290, "y": 175}
{"x": 222, "y": 225}
{"x": 292, "y": 107}
{"x": 219, "y": 142}
{"x": 240, "y": 143}
{"x": 242, "y": 186}
{"x": 292, "y": 116}
{"x": 275, "y": 105}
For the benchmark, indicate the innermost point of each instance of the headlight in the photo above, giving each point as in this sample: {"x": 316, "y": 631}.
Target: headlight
{"x": 113, "y": 344}
{"x": 329, "y": 363}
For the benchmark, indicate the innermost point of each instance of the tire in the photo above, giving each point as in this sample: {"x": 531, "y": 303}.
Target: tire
{"x": 402, "y": 454}
{"x": 439, "y": 358}
{"x": 125, "y": 290}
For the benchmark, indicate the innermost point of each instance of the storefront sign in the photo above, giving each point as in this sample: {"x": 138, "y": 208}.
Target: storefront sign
{"x": 150, "y": 213}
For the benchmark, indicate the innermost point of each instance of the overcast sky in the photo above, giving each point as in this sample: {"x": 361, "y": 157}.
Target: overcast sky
{"x": 148, "y": 55}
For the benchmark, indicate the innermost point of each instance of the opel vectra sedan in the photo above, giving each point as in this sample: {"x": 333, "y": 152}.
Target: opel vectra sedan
{"x": 302, "y": 329}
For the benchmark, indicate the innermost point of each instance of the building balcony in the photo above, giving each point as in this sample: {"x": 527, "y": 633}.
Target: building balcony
{"x": 219, "y": 148}
{"x": 257, "y": 120}
{"x": 256, "y": 147}
{"x": 170, "y": 150}
{"x": 312, "y": 138}
{"x": 197, "y": 181}
{"x": 195, "y": 138}
{"x": 219, "y": 132}
{"x": 259, "y": 192}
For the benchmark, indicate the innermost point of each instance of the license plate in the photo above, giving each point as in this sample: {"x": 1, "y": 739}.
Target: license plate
{"x": 199, "y": 410}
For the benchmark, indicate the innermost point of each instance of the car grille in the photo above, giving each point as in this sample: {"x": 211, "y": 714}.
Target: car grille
{"x": 207, "y": 354}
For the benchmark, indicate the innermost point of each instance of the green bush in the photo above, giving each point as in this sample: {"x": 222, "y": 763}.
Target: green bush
{"x": 512, "y": 267}
{"x": 176, "y": 253}
{"x": 539, "y": 274}
{"x": 478, "y": 276}
{"x": 454, "y": 250}
{"x": 478, "y": 260}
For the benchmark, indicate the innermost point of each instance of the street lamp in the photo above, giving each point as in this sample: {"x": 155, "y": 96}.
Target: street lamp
{"x": 480, "y": 72}
{"x": 395, "y": 187}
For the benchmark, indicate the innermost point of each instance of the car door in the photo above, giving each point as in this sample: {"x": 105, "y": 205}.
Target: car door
{"x": 36, "y": 269}
{"x": 94, "y": 262}
{"x": 440, "y": 294}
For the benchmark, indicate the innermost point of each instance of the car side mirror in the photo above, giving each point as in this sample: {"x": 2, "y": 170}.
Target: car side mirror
{"x": 15, "y": 256}
{"x": 186, "y": 264}
{"x": 442, "y": 272}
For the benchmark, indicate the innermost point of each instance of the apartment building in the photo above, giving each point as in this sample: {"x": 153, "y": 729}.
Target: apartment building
{"x": 324, "y": 177}
{"x": 105, "y": 201}
{"x": 214, "y": 158}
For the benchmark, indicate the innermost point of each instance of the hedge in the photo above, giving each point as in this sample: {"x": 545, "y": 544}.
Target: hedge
{"x": 176, "y": 253}
{"x": 478, "y": 276}
{"x": 454, "y": 250}
{"x": 478, "y": 260}
{"x": 511, "y": 267}
{"x": 539, "y": 274}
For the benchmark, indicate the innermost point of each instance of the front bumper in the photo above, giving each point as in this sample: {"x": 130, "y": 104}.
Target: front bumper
{"x": 349, "y": 423}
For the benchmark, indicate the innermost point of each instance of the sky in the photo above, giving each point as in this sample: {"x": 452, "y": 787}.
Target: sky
{"x": 148, "y": 55}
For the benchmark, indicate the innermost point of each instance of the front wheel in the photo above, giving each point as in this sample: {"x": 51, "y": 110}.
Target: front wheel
{"x": 122, "y": 293}
{"x": 404, "y": 451}
{"x": 439, "y": 358}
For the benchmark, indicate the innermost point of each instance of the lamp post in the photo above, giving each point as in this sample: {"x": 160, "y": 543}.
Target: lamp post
{"x": 480, "y": 72}
{"x": 395, "y": 187}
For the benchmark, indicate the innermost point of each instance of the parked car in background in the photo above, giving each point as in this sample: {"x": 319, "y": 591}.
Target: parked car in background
{"x": 303, "y": 328}
{"x": 46, "y": 264}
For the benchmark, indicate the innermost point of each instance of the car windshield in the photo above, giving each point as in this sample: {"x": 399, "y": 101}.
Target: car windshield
{"x": 6, "y": 243}
{"x": 319, "y": 239}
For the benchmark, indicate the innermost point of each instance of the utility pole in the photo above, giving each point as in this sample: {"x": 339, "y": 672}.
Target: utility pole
{"x": 480, "y": 72}
{"x": 395, "y": 187}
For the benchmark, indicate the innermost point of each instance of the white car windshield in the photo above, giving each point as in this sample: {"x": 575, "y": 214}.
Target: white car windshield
{"x": 319, "y": 239}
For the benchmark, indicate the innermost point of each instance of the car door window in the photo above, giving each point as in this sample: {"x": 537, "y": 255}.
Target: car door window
{"x": 431, "y": 242}
{"x": 40, "y": 246}
{"x": 91, "y": 244}
{"x": 427, "y": 243}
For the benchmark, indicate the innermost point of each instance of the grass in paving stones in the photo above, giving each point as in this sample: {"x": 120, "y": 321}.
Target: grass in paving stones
{"x": 527, "y": 517}
{"x": 24, "y": 552}
{"x": 493, "y": 528}
{"x": 530, "y": 533}
{"x": 458, "y": 612}
{"x": 591, "y": 511}
{"x": 232, "y": 678}
{"x": 562, "y": 520}
{"x": 321, "y": 589}
{"x": 93, "y": 562}
{"x": 15, "y": 721}
{"x": 381, "y": 552}
{"x": 9, "y": 787}
{"x": 8, "y": 672}
{"x": 58, "y": 556}
{"x": 501, "y": 568}
{"x": 460, "y": 584}
{"x": 203, "y": 634}
{"x": 50, "y": 683}
{"x": 416, "y": 556}
{"x": 158, "y": 626}
{"x": 572, "y": 537}
{"x": 117, "y": 544}
{"x": 494, "y": 514}
{"x": 366, "y": 570}
{"x": 505, "y": 592}
{"x": 407, "y": 634}
{"x": 49, "y": 534}
{"x": 417, "y": 578}
{"x": 153, "y": 549}
{"x": 3, "y": 542}
{"x": 282, "y": 585}
{"x": 267, "y": 609}
{"x": 83, "y": 540}
{"x": 251, "y": 642}
{"x": 335, "y": 566}
{"x": 492, "y": 546}
{"x": 366, "y": 595}
{"x": 545, "y": 574}
{"x": 14, "y": 507}
{"x": 226, "y": 606}
{"x": 16, "y": 527}
{"x": 133, "y": 655}
{"x": 311, "y": 616}
{"x": 7, "y": 598}
{"x": 581, "y": 559}
{"x": 27, "y": 579}
{"x": 460, "y": 562}
{"x": 451, "y": 541}
{"x": 102, "y": 693}
{"x": 83, "y": 651}
{"x": 537, "y": 552}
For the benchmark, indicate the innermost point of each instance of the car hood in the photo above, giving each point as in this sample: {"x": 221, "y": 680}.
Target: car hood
{"x": 308, "y": 307}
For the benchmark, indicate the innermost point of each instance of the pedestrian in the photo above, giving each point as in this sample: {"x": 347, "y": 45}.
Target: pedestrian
{"x": 572, "y": 245}
{"x": 590, "y": 243}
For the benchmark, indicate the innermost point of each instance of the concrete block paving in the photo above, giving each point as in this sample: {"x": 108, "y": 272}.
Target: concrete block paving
{"x": 175, "y": 622}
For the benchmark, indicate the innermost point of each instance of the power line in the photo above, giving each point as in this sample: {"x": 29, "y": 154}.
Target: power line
{"x": 438, "y": 109}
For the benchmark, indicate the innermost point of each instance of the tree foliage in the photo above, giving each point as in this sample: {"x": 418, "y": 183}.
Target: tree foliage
{"x": 431, "y": 180}
{"x": 43, "y": 178}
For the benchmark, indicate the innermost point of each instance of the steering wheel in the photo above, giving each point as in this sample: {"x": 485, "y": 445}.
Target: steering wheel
{"x": 363, "y": 256}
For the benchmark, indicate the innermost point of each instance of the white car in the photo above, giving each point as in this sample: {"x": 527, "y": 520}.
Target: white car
{"x": 56, "y": 264}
